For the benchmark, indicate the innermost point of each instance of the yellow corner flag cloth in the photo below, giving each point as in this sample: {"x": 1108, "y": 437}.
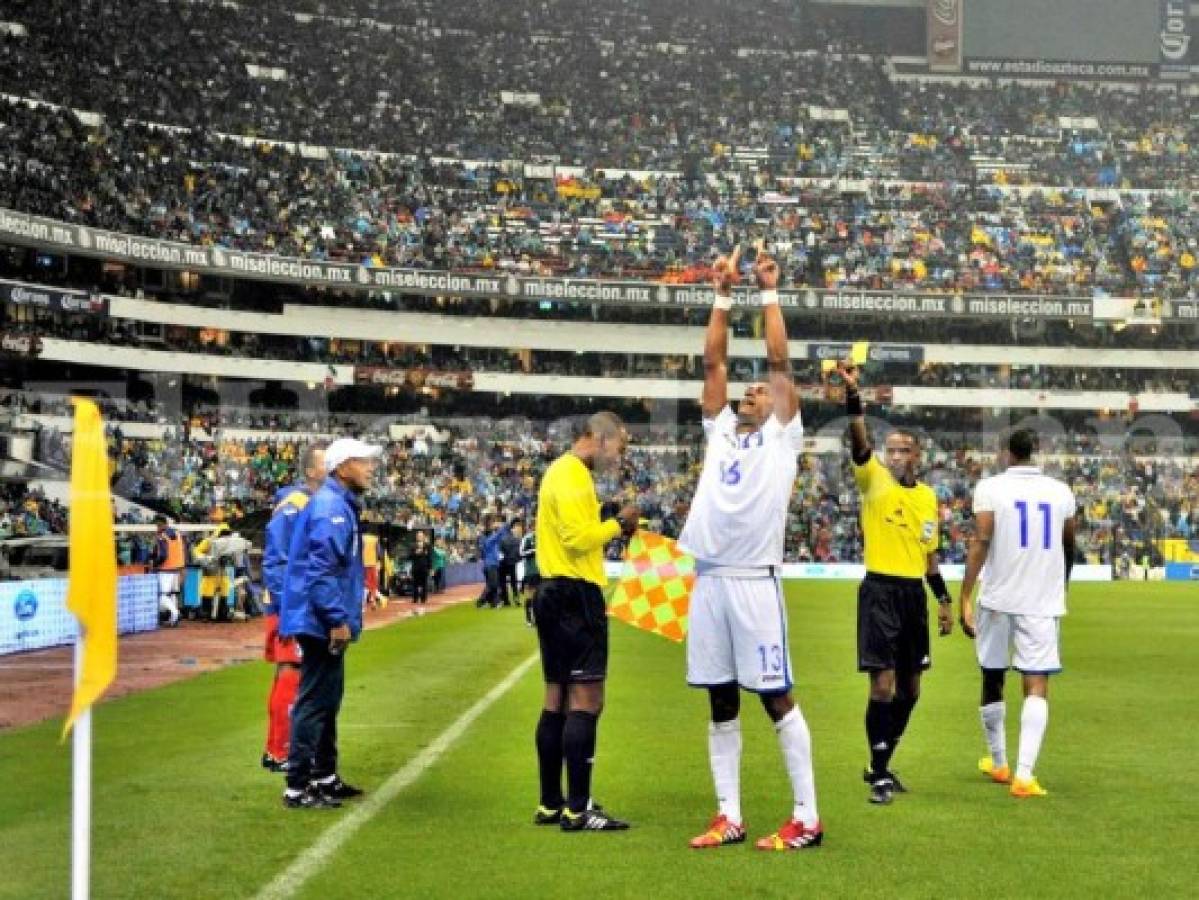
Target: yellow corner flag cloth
{"x": 92, "y": 588}
{"x": 654, "y": 591}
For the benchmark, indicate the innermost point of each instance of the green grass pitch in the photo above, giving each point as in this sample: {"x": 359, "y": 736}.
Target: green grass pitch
{"x": 181, "y": 808}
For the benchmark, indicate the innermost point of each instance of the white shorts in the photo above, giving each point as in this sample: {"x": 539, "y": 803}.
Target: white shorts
{"x": 737, "y": 634}
{"x": 168, "y": 583}
{"x": 1034, "y": 639}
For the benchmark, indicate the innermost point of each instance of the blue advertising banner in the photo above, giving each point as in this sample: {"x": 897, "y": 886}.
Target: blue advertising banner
{"x": 34, "y": 614}
{"x": 1183, "y": 571}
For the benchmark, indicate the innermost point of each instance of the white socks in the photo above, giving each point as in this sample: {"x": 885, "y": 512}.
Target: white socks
{"x": 724, "y": 753}
{"x": 993, "y": 728}
{"x": 796, "y": 743}
{"x": 1033, "y": 720}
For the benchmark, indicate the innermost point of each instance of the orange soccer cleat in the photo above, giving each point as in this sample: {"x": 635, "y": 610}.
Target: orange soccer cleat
{"x": 793, "y": 836}
{"x": 998, "y": 774}
{"x": 1027, "y": 787}
{"x": 722, "y": 831}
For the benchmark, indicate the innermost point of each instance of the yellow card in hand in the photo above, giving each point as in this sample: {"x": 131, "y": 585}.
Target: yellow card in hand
{"x": 860, "y": 353}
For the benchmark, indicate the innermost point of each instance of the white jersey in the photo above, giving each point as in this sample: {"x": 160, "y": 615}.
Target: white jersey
{"x": 1025, "y": 572}
{"x": 739, "y": 514}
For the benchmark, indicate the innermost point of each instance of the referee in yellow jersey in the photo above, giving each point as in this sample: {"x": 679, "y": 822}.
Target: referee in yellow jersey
{"x": 572, "y": 622}
{"x": 900, "y": 534}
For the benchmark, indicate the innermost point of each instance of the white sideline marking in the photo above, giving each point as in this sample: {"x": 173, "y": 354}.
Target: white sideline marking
{"x": 312, "y": 860}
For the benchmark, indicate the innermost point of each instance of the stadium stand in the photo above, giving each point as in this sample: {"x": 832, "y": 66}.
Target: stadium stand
{"x": 449, "y": 478}
{"x": 880, "y": 233}
{"x": 608, "y": 154}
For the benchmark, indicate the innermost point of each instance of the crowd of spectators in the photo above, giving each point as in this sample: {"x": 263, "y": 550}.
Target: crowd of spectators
{"x": 26, "y": 512}
{"x": 939, "y": 186}
{"x": 943, "y": 237}
{"x": 685, "y": 133}
{"x": 452, "y": 476}
{"x": 609, "y": 85}
{"x": 637, "y": 85}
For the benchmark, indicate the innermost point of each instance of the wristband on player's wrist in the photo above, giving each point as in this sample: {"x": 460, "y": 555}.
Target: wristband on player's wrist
{"x": 769, "y": 297}
{"x": 937, "y": 582}
{"x": 853, "y": 403}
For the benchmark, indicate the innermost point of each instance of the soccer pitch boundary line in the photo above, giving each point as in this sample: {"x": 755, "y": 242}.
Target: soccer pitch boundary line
{"x": 312, "y": 860}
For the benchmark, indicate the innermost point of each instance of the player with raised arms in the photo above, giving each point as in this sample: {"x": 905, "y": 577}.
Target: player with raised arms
{"x": 737, "y": 637}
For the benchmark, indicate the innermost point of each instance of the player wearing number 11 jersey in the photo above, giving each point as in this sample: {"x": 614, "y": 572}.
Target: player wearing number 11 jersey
{"x": 1025, "y": 537}
{"x": 737, "y": 633}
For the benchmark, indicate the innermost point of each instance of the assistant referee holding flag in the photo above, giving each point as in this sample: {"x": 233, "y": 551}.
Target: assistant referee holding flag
{"x": 572, "y": 622}
{"x": 900, "y": 534}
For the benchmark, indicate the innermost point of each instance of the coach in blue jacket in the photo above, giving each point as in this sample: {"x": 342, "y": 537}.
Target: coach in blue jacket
{"x": 284, "y": 652}
{"x": 322, "y": 609}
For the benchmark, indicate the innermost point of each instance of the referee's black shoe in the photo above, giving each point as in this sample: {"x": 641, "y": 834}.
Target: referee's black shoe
{"x": 309, "y": 798}
{"x": 548, "y": 815}
{"x": 897, "y": 786}
{"x": 273, "y": 765}
{"x": 593, "y": 818}
{"x": 882, "y": 787}
{"x": 336, "y": 789}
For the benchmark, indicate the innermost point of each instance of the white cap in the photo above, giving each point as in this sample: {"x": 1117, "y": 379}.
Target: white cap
{"x": 349, "y": 448}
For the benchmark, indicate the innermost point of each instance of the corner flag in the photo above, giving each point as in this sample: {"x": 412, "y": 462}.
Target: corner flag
{"x": 92, "y": 597}
{"x": 654, "y": 591}
{"x": 92, "y": 589}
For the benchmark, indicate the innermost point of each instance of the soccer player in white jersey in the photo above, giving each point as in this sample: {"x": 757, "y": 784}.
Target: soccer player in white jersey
{"x": 738, "y": 624}
{"x": 1025, "y": 537}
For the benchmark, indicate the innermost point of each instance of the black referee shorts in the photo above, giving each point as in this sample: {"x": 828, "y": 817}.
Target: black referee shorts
{"x": 572, "y": 628}
{"x": 892, "y": 624}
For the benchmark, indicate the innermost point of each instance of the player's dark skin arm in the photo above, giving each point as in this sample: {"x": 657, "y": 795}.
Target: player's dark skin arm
{"x": 976, "y": 556}
{"x": 1068, "y": 546}
{"x": 778, "y": 358}
{"x": 944, "y": 610}
{"x": 860, "y": 447}
{"x": 716, "y": 339}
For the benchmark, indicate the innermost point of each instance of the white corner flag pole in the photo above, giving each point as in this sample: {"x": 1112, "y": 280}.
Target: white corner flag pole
{"x": 81, "y": 792}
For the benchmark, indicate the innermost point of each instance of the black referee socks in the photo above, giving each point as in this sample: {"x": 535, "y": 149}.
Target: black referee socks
{"x": 879, "y": 734}
{"x": 901, "y": 712}
{"x": 549, "y": 757}
{"x": 578, "y": 739}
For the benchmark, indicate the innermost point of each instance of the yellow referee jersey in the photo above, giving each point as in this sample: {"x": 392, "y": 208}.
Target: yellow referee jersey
{"x": 570, "y": 535}
{"x": 899, "y": 524}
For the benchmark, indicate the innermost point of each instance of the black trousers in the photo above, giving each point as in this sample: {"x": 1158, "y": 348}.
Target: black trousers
{"x": 313, "y": 750}
{"x": 491, "y": 578}
{"x": 508, "y": 582}
{"x": 438, "y": 580}
{"x": 420, "y": 585}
